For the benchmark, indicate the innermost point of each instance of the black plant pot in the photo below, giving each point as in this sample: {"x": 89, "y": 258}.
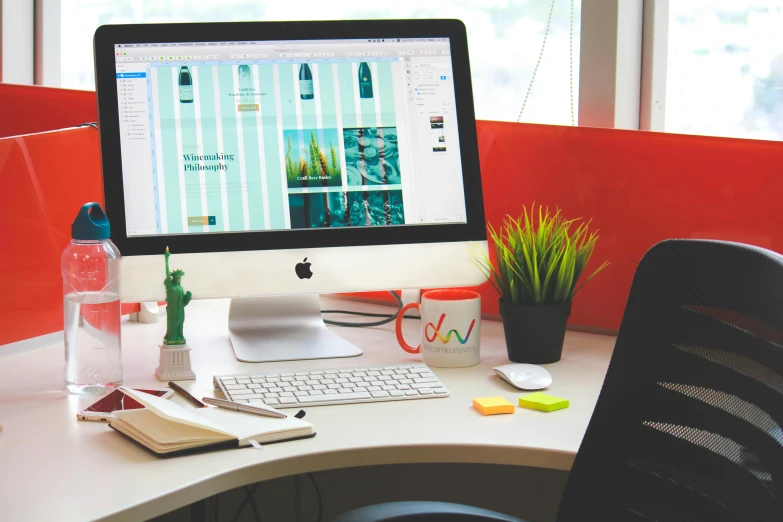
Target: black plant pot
{"x": 535, "y": 333}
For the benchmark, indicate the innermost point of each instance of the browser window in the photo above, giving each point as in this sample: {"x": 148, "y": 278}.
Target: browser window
{"x": 252, "y": 136}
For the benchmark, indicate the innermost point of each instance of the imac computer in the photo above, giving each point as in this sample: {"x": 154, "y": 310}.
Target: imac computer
{"x": 282, "y": 160}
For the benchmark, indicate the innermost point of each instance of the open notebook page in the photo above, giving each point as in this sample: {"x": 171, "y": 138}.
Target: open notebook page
{"x": 174, "y": 412}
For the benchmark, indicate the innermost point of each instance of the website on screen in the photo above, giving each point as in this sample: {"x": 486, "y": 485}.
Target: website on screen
{"x": 252, "y": 136}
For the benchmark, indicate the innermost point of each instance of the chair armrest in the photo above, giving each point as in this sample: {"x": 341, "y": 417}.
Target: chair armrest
{"x": 423, "y": 511}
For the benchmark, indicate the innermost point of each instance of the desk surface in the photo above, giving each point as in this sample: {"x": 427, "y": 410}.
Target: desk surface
{"x": 53, "y": 467}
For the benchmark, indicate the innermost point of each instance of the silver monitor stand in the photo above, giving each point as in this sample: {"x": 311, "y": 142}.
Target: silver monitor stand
{"x": 283, "y": 328}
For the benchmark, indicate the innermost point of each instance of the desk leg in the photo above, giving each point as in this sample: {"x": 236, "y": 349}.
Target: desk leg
{"x": 198, "y": 511}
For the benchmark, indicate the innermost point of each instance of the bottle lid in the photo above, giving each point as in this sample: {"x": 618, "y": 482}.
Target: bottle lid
{"x": 91, "y": 223}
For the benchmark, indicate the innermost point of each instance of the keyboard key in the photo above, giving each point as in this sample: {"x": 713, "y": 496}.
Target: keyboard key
{"x": 399, "y": 377}
{"x": 374, "y": 373}
{"x": 301, "y": 393}
{"x": 341, "y": 397}
{"x": 422, "y": 369}
{"x": 253, "y": 402}
{"x": 275, "y": 390}
{"x": 396, "y": 393}
{"x": 286, "y": 394}
{"x": 346, "y": 390}
{"x": 256, "y": 395}
{"x": 385, "y": 378}
{"x": 359, "y": 374}
{"x": 405, "y": 381}
{"x": 229, "y": 381}
{"x": 411, "y": 392}
{"x": 379, "y": 394}
{"x": 290, "y": 388}
{"x": 349, "y": 385}
{"x": 403, "y": 387}
{"x": 286, "y": 375}
{"x": 317, "y": 372}
{"x": 327, "y": 381}
{"x": 235, "y": 386}
{"x": 271, "y": 395}
{"x": 330, "y": 376}
{"x": 316, "y": 392}
{"x": 272, "y": 402}
{"x": 258, "y": 380}
{"x": 426, "y": 374}
{"x": 371, "y": 378}
{"x": 356, "y": 379}
{"x": 301, "y": 373}
{"x": 387, "y": 372}
{"x": 425, "y": 391}
{"x": 312, "y": 382}
{"x": 253, "y": 386}
{"x": 388, "y": 387}
{"x": 420, "y": 385}
{"x": 426, "y": 379}
{"x": 301, "y": 378}
{"x": 341, "y": 380}
{"x": 241, "y": 392}
{"x": 288, "y": 400}
{"x": 287, "y": 378}
{"x": 439, "y": 391}
{"x": 374, "y": 388}
{"x": 269, "y": 385}
{"x": 243, "y": 381}
{"x": 319, "y": 387}
{"x": 329, "y": 392}
{"x": 334, "y": 386}
{"x": 362, "y": 384}
{"x": 273, "y": 379}
{"x": 305, "y": 388}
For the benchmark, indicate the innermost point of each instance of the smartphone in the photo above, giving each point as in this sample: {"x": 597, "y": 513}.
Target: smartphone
{"x": 102, "y": 410}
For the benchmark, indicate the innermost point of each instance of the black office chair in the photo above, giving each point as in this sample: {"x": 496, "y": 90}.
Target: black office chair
{"x": 688, "y": 423}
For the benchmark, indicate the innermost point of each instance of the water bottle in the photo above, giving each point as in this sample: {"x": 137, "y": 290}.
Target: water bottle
{"x": 90, "y": 268}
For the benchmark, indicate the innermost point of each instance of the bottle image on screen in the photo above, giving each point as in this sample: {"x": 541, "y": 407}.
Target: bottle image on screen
{"x": 185, "y": 85}
{"x": 305, "y": 82}
{"x": 365, "y": 81}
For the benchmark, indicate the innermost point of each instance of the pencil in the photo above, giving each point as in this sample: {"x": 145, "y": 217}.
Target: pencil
{"x": 182, "y": 391}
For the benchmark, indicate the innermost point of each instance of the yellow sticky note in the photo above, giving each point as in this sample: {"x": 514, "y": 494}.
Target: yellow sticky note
{"x": 493, "y": 405}
{"x": 543, "y": 402}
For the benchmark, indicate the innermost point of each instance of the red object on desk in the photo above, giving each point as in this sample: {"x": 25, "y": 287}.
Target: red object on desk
{"x": 637, "y": 187}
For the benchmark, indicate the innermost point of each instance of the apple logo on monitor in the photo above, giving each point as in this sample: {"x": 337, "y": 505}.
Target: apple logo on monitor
{"x": 303, "y": 270}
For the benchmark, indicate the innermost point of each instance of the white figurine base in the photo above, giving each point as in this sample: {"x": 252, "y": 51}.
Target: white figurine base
{"x": 174, "y": 363}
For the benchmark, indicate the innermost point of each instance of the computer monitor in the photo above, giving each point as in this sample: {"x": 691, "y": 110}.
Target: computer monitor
{"x": 282, "y": 160}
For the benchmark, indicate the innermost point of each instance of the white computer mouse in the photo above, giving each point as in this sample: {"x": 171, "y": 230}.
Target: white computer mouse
{"x": 524, "y": 376}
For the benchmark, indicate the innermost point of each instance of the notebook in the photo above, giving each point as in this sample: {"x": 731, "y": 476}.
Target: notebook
{"x": 164, "y": 427}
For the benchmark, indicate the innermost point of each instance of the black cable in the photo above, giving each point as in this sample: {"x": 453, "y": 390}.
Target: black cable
{"x": 92, "y": 124}
{"x": 388, "y": 318}
{"x": 253, "y": 504}
{"x": 244, "y": 502}
{"x": 320, "y": 499}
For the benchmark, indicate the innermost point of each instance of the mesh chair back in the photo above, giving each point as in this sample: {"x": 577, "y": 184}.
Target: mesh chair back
{"x": 688, "y": 423}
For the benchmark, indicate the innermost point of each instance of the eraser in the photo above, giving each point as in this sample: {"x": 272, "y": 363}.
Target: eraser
{"x": 543, "y": 402}
{"x": 493, "y": 405}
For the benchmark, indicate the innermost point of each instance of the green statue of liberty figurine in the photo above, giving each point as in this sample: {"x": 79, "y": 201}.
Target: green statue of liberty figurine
{"x": 177, "y": 299}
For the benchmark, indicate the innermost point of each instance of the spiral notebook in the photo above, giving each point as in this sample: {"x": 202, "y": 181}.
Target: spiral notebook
{"x": 165, "y": 427}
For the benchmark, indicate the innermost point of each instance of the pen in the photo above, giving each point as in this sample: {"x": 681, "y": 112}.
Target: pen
{"x": 266, "y": 411}
{"x": 182, "y": 391}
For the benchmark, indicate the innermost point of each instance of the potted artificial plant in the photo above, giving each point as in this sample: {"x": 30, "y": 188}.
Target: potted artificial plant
{"x": 536, "y": 273}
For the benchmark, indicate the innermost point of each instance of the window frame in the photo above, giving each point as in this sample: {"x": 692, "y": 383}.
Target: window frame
{"x": 624, "y": 40}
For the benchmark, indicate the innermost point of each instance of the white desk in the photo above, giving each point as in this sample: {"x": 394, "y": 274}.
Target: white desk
{"x": 53, "y": 467}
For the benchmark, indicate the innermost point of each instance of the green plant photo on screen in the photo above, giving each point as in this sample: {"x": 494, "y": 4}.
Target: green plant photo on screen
{"x": 540, "y": 261}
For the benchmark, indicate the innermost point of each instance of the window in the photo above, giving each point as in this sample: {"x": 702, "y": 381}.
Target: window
{"x": 725, "y": 68}
{"x": 505, "y": 38}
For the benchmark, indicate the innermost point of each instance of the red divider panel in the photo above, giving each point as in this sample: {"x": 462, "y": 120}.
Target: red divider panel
{"x": 25, "y": 109}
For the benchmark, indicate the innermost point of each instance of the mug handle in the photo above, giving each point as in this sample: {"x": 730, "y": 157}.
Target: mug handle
{"x": 398, "y": 328}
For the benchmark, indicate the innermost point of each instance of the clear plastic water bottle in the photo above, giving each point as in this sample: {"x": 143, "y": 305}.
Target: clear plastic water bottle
{"x": 90, "y": 268}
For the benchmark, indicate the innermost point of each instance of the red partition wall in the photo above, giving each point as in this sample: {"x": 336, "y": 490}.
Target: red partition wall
{"x": 637, "y": 187}
{"x": 25, "y": 109}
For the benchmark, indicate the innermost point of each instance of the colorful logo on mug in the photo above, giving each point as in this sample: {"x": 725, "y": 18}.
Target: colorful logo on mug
{"x": 447, "y": 338}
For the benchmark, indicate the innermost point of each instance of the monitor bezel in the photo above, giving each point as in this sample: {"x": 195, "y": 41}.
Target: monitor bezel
{"x": 107, "y": 36}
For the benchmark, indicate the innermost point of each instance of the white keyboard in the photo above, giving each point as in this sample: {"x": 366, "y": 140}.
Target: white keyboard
{"x": 397, "y": 382}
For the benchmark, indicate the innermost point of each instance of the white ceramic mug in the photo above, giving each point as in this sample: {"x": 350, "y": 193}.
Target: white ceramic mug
{"x": 450, "y": 328}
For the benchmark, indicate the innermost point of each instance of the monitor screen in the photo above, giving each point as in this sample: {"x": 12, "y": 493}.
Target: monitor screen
{"x": 247, "y": 136}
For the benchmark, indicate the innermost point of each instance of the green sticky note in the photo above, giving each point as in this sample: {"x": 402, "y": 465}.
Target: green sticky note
{"x": 543, "y": 402}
